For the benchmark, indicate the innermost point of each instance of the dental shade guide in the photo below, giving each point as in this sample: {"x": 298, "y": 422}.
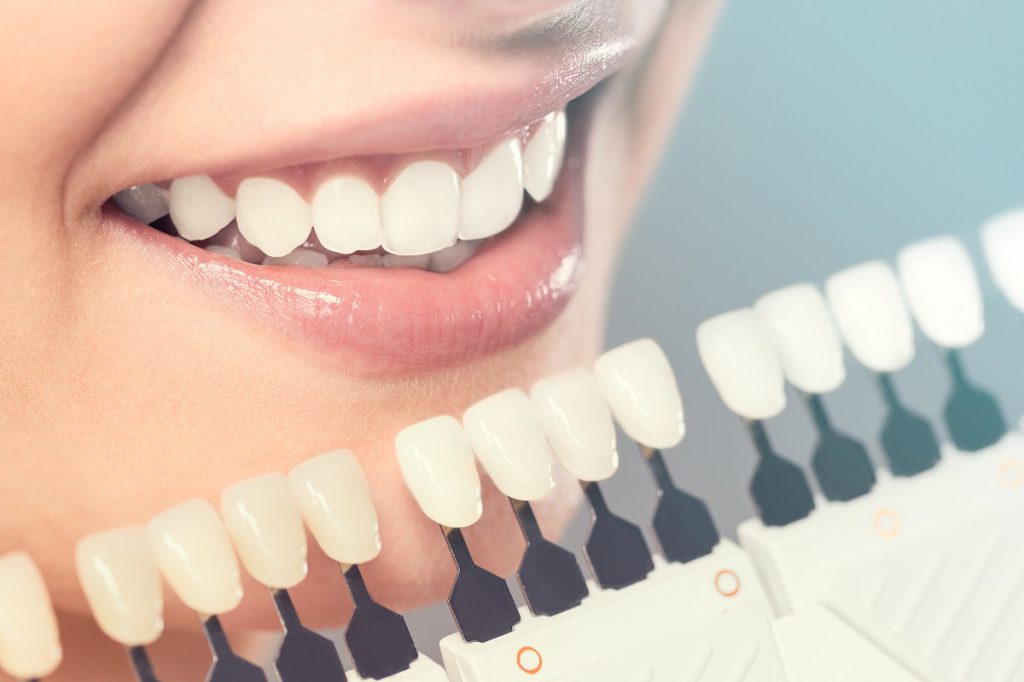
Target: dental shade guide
{"x": 377, "y": 637}
{"x": 908, "y": 440}
{"x": 481, "y": 602}
{"x": 682, "y": 523}
{"x": 973, "y": 416}
{"x": 141, "y": 665}
{"x": 303, "y": 654}
{"x": 615, "y": 548}
{"x": 840, "y": 463}
{"x": 548, "y": 574}
{"x": 779, "y": 487}
{"x": 30, "y": 646}
{"x": 227, "y": 666}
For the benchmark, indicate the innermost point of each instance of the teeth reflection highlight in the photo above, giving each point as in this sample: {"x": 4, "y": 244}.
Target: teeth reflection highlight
{"x": 420, "y": 209}
{"x": 272, "y": 216}
{"x": 194, "y": 554}
{"x": 346, "y": 215}
{"x": 266, "y": 527}
{"x": 144, "y": 202}
{"x": 638, "y": 382}
{"x": 578, "y": 423}
{"x": 492, "y": 194}
{"x": 29, "y": 641}
{"x": 198, "y": 207}
{"x": 121, "y": 582}
{"x": 542, "y": 158}
{"x": 334, "y": 497}
{"x": 507, "y": 438}
{"x": 438, "y": 467}
{"x": 1002, "y": 239}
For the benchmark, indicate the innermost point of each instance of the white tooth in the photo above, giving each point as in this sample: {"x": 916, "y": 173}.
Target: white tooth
{"x": 367, "y": 260}
{"x": 145, "y": 203}
{"x": 390, "y": 260}
{"x": 542, "y": 158}
{"x": 29, "y": 641}
{"x": 578, "y": 423}
{"x": 309, "y": 258}
{"x": 122, "y": 584}
{"x": 942, "y": 290}
{"x": 227, "y": 251}
{"x": 420, "y": 209}
{"x": 272, "y": 216}
{"x": 637, "y": 380}
{"x": 198, "y": 208}
{"x": 448, "y": 259}
{"x": 438, "y": 467}
{"x": 807, "y": 342}
{"x": 193, "y": 550}
{"x": 266, "y": 526}
{"x": 738, "y": 356}
{"x": 493, "y": 193}
{"x": 346, "y": 215}
{"x": 507, "y": 438}
{"x": 1002, "y": 238}
{"x": 332, "y": 492}
{"x": 871, "y": 315}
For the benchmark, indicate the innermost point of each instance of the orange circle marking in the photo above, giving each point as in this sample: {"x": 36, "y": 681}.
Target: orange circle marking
{"x": 727, "y": 583}
{"x": 1011, "y": 473}
{"x": 887, "y": 523}
{"x": 529, "y": 660}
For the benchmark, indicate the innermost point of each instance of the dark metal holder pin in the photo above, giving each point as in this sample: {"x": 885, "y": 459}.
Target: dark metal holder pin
{"x": 304, "y": 655}
{"x": 615, "y": 548}
{"x": 549, "y": 575}
{"x": 682, "y": 523}
{"x": 841, "y": 464}
{"x": 377, "y": 637}
{"x": 779, "y": 487}
{"x": 227, "y": 665}
{"x": 908, "y": 440}
{"x": 141, "y": 665}
{"x": 972, "y": 414}
{"x": 481, "y": 602}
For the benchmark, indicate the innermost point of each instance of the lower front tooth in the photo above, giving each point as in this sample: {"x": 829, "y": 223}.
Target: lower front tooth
{"x": 300, "y": 256}
{"x": 420, "y": 209}
{"x": 272, "y": 216}
{"x": 448, "y": 259}
{"x": 199, "y": 209}
{"x": 390, "y": 260}
{"x": 227, "y": 251}
{"x": 145, "y": 203}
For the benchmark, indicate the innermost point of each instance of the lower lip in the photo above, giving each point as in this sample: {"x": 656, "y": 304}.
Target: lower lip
{"x": 383, "y": 321}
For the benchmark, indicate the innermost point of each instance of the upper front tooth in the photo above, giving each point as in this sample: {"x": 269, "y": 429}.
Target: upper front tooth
{"x": 493, "y": 193}
{"x": 346, "y": 215}
{"x": 438, "y": 467}
{"x": 507, "y": 438}
{"x": 797, "y": 319}
{"x": 193, "y": 550}
{"x": 542, "y": 158}
{"x": 420, "y": 209}
{"x": 145, "y": 203}
{"x": 272, "y": 216}
{"x": 872, "y": 316}
{"x": 334, "y": 497}
{"x": 638, "y": 382}
{"x": 942, "y": 290}
{"x": 199, "y": 209}
{"x": 1002, "y": 239}
{"x": 29, "y": 641}
{"x": 122, "y": 584}
{"x": 266, "y": 527}
{"x": 578, "y": 423}
{"x": 738, "y": 357}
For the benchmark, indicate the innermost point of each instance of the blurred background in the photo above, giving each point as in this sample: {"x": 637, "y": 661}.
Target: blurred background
{"x": 819, "y": 135}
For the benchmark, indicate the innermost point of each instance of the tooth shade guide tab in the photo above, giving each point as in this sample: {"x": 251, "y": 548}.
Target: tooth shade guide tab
{"x": 29, "y": 639}
{"x": 615, "y": 549}
{"x": 840, "y": 463}
{"x": 973, "y": 417}
{"x": 378, "y": 638}
{"x": 481, "y": 602}
{"x": 228, "y": 666}
{"x": 779, "y": 487}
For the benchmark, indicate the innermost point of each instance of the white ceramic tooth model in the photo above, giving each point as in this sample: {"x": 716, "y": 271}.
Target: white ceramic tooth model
{"x": 438, "y": 467}
{"x": 578, "y": 422}
{"x": 638, "y": 382}
{"x": 121, "y": 582}
{"x": 29, "y": 641}
{"x": 942, "y": 290}
{"x": 740, "y": 360}
{"x": 334, "y": 497}
{"x": 809, "y": 348}
{"x": 1002, "y": 239}
{"x": 872, "y": 317}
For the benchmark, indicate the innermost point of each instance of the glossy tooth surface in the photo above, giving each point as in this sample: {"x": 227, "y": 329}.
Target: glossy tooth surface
{"x": 420, "y": 209}
{"x": 806, "y": 340}
{"x": 448, "y": 259}
{"x": 542, "y": 157}
{"x": 266, "y": 526}
{"x": 739, "y": 358}
{"x": 637, "y": 380}
{"x": 942, "y": 290}
{"x": 346, "y": 215}
{"x": 506, "y": 435}
{"x": 226, "y": 251}
{"x": 272, "y": 216}
{"x": 194, "y": 554}
{"x": 300, "y": 256}
{"x": 122, "y": 584}
{"x": 29, "y": 641}
{"x": 332, "y": 492}
{"x": 198, "y": 207}
{"x": 1002, "y": 239}
{"x": 145, "y": 203}
{"x": 438, "y": 467}
{"x": 871, "y": 315}
{"x": 578, "y": 423}
{"x": 493, "y": 193}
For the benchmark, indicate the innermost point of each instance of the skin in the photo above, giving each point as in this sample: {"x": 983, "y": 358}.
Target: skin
{"x": 121, "y": 396}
